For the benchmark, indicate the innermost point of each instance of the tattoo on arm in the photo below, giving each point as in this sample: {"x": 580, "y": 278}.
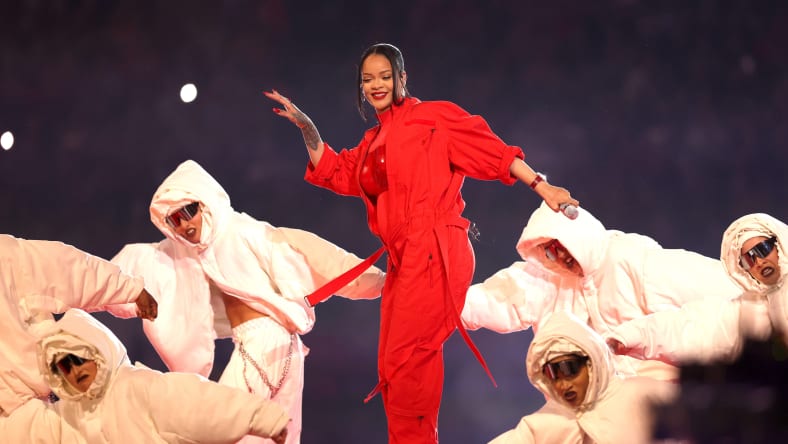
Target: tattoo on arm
{"x": 311, "y": 136}
{"x": 308, "y": 129}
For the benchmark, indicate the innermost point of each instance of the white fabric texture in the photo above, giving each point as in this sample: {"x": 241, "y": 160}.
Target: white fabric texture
{"x": 38, "y": 278}
{"x": 128, "y": 403}
{"x": 615, "y": 409}
{"x": 626, "y": 276}
{"x": 245, "y": 258}
{"x": 37, "y": 422}
{"x": 776, "y": 295}
{"x": 268, "y": 344}
{"x": 270, "y": 268}
{"x": 706, "y": 331}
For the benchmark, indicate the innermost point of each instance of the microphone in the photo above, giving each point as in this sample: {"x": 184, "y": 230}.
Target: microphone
{"x": 569, "y": 210}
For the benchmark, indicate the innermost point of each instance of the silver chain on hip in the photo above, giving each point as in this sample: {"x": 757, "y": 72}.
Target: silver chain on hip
{"x": 274, "y": 389}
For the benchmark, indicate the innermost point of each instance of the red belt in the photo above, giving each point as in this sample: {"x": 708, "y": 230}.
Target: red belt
{"x": 328, "y": 290}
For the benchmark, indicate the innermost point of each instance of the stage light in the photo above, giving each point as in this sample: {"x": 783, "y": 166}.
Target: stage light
{"x": 7, "y": 140}
{"x": 188, "y": 92}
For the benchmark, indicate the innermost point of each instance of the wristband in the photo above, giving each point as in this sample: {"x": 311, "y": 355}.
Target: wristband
{"x": 536, "y": 181}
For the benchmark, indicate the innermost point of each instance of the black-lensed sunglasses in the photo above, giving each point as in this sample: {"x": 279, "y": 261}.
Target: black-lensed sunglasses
{"x": 64, "y": 364}
{"x": 761, "y": 250}
{"x": 185, "y": 213}
{"x": 551, "y": 249}
{"x": 567, "y": 368}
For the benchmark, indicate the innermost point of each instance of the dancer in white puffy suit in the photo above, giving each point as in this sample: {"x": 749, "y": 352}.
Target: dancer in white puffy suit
{"x": 106, "y": 399}
{"x": 753, "y": 254}
{"x": 605, "y": 277}
{"x": 587, "y": 400}
{"x": 38, "y": 278}
{"x": 221, "y": 273}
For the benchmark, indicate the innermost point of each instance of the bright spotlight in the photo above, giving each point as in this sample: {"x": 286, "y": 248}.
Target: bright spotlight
{"x": 7, "y": 140}
{"x": 188, "y": 92}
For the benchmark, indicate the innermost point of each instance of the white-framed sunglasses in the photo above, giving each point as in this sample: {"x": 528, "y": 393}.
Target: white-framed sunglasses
{"x": 186, "y": 212}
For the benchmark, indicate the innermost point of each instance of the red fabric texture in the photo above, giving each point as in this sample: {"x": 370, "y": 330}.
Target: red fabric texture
{"x": 430, "y": 148}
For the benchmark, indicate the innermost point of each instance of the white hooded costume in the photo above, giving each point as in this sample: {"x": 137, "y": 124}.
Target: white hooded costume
{"x": 707, "y": 331}
{"x": 38, "y": 278}
{"x": 615, "y": 409}
{"x": 270, "y": 269}
{"x": 626, "y": 276}
{"x": 128, "y": 403}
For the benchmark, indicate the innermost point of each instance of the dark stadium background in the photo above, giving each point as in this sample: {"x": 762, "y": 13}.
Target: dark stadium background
{"x": 663, "y": 118}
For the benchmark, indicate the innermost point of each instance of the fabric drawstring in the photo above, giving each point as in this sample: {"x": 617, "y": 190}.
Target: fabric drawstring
{"x": 375, "y": 391}
{"x": 458, "y": 321}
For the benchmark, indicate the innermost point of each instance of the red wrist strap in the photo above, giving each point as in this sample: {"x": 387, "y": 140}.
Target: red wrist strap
{"x": 536, "y": 181}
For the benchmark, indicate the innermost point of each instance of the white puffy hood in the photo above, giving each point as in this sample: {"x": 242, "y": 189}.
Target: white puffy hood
{"x": 191, "y": 183}
{"x": 743, "y": 228}
{"x": 82, "y": 335}
{"x": 563, "y": 333}
{"x": 269, "y": 268}
{"x": 585, "y": 237}
{"x": 746, "y": 227}
{"x": 243, "y": 257}
{"x": 183, "y": 333}
{"x": 615, "y": 409}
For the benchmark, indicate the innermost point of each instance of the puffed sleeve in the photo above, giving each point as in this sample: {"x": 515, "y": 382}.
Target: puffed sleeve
{"x": 327, "y": 261}
{"x": 674, "y": 277}
{"x": 508, "y": 301}
{"x": 551, "y": 424}
{"x": 701, "y": 331}
{"x": 199, "y": 410}
{"x": 139, "y": 259}
{"x": 37, "y": 422}
{"x": 474, "y": 150}
{"x": 53, "y": 276}
{"x": 336, "y": 171}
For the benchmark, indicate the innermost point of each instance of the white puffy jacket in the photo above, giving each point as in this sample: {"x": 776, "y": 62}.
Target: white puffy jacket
{"x": 38, "y": 278}
{"x": 270, "y": 268}
{"x": 128, "y": 403}
{"x": 626, "y": 276}
{"x": 707, "y": 330}
{"x": 615, "y": 410}
{"x": 37, "y": 422}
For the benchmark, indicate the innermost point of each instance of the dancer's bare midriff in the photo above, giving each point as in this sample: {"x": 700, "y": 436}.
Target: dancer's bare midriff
{"x": 238, "y": 312}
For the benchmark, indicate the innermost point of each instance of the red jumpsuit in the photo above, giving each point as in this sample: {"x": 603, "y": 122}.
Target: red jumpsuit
{"x": 429, "y": 149}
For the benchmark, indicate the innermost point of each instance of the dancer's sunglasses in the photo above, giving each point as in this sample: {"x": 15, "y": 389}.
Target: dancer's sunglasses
{"x": 185, "y": 213}
{"x": 64, "y": 364}
{"x": 567, "y": 368}
{"x": 761, "y": 250}
{"x": 551, "y": 250}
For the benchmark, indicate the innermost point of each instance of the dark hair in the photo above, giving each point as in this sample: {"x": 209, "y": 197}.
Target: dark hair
{"x": 393, "y": 54}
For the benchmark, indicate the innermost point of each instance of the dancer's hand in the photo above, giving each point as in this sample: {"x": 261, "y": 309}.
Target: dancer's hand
{"x": 147, "y": 307}
{"x": 290, "y": 111}
{"x": 616, "y": 346}
{"x": 281, "y": 437}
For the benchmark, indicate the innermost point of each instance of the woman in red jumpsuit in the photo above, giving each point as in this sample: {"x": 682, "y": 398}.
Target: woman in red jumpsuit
{"x": 409, "y": 170}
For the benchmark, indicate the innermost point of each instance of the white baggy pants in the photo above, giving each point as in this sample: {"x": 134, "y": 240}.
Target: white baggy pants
{"x": 268, "y": 344}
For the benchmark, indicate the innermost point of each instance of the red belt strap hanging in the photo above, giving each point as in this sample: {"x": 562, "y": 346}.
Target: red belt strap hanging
{"x": 332, "y": 286}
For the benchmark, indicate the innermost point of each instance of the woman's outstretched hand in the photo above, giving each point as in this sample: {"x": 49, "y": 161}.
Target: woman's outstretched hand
{"x": 555, "y": 196}
{"x": 289, "y": 111}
